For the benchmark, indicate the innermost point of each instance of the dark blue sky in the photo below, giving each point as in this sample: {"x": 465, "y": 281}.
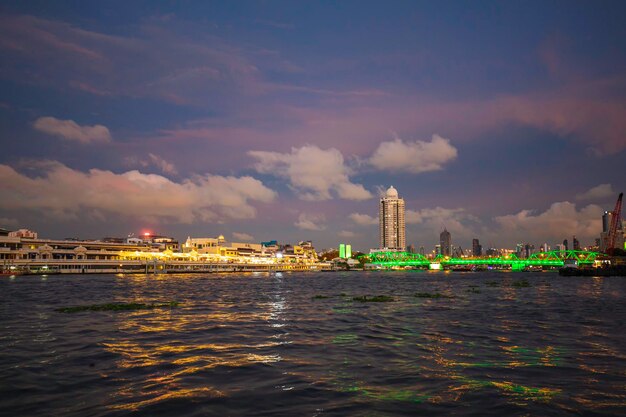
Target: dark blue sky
{"x": 504, "y": 121}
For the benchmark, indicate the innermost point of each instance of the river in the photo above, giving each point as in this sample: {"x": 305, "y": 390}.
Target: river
{"x": 298, "y": 344}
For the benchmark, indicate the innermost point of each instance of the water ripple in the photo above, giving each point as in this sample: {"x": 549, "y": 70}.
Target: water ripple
{"x": 297, "y": 344}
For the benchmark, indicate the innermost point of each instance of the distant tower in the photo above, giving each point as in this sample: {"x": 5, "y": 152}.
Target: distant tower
{"x": 575, "y": 243}
{"x": 477, "y": 249}
{"x": 565, "y": 244}
{"x": 445, "y": 239}
{"x": 391, "y": 221}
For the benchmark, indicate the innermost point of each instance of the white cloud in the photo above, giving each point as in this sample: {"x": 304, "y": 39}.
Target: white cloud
{"x": 456, "y": 221}
{"x": 561, "y": 220}
{"x": 413, "y": 157}
{"x": 311, "y": 221}
{"x": 596, "y": 193}
{"x": 72, "y": 131}
{"x": 63, "y": 193}
{"x": 363, "y": 219}
{"x": 242, "y": 236}
{"x": 346, "y": 233}
{"x": 312, "y": 172}
{"x": 162, "y": 164}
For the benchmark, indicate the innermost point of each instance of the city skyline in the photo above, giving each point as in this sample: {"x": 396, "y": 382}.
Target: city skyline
{"x": 260, "y": 121}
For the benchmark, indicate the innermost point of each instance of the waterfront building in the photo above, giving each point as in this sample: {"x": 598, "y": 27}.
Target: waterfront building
{"x": 422, "y": 251}
{"x": 445, "y": 240}
{"x": 29, "y": 255}
{"x": 575, "y": 243}
{"x": 29, "y": 234}
{"x": 477, "y": 249}
{"x": 565, "y": 244}
{"x": 391, "y": 221}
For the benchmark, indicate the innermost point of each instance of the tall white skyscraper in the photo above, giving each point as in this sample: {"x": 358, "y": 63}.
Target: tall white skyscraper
{"x": 391, "y": 221}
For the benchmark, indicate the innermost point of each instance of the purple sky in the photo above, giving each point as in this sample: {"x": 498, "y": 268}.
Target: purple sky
{"x": 504, "y": 121}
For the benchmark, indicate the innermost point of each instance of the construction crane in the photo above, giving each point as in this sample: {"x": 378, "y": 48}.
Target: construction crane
{"x": 616, "y": 219}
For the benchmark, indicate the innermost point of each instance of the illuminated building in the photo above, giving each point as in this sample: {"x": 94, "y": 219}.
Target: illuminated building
{"x": 445, "y": 240}
{"x": 391, "y": 221}
{"x": 575, "y": 243}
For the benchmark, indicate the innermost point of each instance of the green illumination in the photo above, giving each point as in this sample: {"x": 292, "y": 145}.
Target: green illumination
{"x": 342, "y": 250}
{"x": 348, "y": 251}
{"x": 554, "y": 258}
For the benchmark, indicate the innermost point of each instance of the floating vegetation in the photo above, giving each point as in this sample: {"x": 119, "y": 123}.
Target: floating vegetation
{"x": 375, "y": 299}
{"x": 117, "y": 307}
{"x": 429, "y": 295}
{"x": 521, "y": 284}
{"x": 492, "y": 283}
{"x": 320, "y": 297}
{"x": 347, "y": 338}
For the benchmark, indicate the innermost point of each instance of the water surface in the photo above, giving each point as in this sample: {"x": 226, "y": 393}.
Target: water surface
{"x": 296, "y": 344}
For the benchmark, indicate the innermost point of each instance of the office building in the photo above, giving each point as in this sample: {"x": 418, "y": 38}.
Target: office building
{"x": 477, "y": 249}
{"x": 445, "y": 240}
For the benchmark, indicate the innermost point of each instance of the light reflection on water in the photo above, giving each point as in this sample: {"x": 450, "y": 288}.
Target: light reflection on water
{"x": 264, "y": 344}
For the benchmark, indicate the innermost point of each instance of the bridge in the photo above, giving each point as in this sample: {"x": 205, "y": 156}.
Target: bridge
{"x": 541, "y": 259}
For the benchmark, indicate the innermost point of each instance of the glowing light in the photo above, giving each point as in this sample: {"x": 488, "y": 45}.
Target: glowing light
{"x": 279, "y": 255}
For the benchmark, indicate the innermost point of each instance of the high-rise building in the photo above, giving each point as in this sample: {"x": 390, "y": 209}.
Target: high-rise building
{"x": 477, "y": 249}
{"x": 445, "y": 240}
{"x": 606, "y": 220}
{"x": 391, "y": 221}
{"x": 607, "y": 217}
{"x": 575, "y": 243}
{"x": 565, "y": 244}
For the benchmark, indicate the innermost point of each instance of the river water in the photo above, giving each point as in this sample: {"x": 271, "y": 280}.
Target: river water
{"x": 269, "y": 344}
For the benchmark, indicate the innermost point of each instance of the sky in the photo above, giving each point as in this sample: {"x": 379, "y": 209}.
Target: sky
{"x": 261, "y": 120}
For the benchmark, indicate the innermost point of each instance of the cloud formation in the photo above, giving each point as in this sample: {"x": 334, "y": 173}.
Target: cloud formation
{"x": 561, "y": 220}
{"x": 312, "y": 172}
{"x": 63, "y": 193}
{"x": 71, "y": 131}
{"x": 413, "y": 157}
{"x": 346, "y": 233}
{"x": 162, "y": 164}
{"x": 244, "y": 237}
{"x": 313, "y": 222}
{"x": 596, "y": 193}
{"x": 363, "y": 219}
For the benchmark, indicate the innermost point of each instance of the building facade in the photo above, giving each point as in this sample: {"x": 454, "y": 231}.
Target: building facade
{"x": 477, "y": 249}
{"x": 445, "y": 240}
{"x": 391, "y": 221}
